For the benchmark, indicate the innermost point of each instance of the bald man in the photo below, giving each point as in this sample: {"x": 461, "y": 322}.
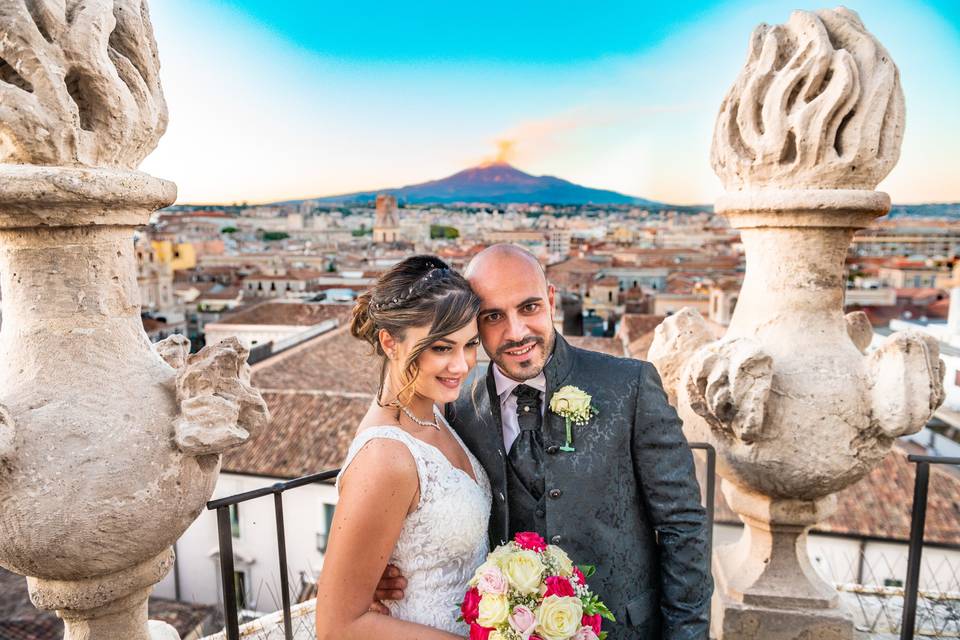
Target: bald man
{"x": 621, "y": 493}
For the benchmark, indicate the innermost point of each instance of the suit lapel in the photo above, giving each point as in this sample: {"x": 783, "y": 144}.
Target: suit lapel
{"x": 557, "y": 372}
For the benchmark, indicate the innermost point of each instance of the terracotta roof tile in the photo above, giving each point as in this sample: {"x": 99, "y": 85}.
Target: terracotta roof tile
{"x": 332, "y": 362}
{"x": 283, "y": 312}
{"x": 309, "y": 432}
{"x": 634, "y": 326}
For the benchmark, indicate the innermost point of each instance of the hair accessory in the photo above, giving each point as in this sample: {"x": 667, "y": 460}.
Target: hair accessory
{"x": 423, "y": 284}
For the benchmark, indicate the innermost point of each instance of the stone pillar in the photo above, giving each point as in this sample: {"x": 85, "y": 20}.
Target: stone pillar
{"x": 109, "y": 446}
{"x": 795, "y": 408}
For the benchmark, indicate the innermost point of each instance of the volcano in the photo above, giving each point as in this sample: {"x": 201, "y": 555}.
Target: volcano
{"x": 496, "y": 182}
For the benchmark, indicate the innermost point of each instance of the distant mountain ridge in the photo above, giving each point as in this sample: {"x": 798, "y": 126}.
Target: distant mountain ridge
{"x": 499, "y": 183}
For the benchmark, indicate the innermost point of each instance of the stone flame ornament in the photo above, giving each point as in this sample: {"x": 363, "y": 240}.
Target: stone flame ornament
{"x": 79, "y": 83}
{"x": 795, "y": 408}
{"x": 109, "y": 446}
{"x": 818, "y": 105}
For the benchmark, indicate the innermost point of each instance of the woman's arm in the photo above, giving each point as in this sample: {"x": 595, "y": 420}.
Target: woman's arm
{"x": 377, "y": 490}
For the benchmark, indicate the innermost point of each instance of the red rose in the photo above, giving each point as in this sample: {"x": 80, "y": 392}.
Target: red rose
{"x": 558, "y": 586}
{"x": 593, "y": 621}
{"x": 530, "y": 540}
{"x": 479, "y": 633}
{"x": 534, "y": 638}
{"x": 470, "y": 608}
{"x": 579, "y": 575}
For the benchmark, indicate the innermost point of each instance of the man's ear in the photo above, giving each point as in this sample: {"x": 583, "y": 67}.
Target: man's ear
{"x": 551, "y": 294}
{"x": 388, "y": 343}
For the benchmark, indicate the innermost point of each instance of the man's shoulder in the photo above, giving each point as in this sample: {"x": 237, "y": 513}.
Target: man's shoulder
{"x": 619, "y": 366}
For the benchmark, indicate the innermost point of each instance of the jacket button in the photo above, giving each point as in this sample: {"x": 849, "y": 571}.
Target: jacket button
{"x": 555, "y": 493}
{"x": 553, "y": 449}
{"x": 501, "y": 497}
{"x": 556, "y": 539}
{"x": 541, "y": 513}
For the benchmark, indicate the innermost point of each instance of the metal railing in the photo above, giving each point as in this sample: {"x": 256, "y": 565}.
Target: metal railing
{"x": 918, "y": 521}
{"x": 225, "y": 535}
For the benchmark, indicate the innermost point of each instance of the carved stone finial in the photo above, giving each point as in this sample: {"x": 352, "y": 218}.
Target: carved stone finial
{"x": 906, "y": 376}
{"x": 818, "y": 105}
{"x": 174, "y": 350}
{"x": 79, "y": 83}
{"x": 219, "y": 408}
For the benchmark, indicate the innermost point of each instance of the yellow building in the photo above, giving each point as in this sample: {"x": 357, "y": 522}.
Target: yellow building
{"x": 179, "y": 256}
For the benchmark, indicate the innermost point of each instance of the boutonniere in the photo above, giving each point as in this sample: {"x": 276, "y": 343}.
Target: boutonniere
{"x": 573, "y": 405}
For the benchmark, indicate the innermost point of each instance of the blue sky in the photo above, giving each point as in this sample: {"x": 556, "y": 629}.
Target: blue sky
{"x": 271, "y": 100}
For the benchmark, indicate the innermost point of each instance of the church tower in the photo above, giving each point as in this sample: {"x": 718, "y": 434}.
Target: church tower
{"x": 386, "y": 226}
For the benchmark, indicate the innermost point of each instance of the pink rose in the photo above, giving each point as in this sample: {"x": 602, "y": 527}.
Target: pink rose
{"x": 522, "y": 620}
{"x": 470, "y": 608}
{"x": 594, "y": 622}
{"x": 585, "y": 633}
{"x": 492, "y": 581}
{"x": 530, "y": 540}
{"x": 479, "y": 633}
{"x": 534, "y": 638}
{"x": 558, "y": 586}
{"x": 579, "y": 575}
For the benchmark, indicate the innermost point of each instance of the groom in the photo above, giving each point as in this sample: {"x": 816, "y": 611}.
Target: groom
{"x": 626, "y": 499}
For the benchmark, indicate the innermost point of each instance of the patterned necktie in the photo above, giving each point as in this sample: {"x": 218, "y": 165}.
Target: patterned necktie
{"x": 526, "y": 453}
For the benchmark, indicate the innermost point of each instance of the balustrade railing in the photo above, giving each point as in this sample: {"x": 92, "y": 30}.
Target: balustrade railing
{"x": 918, "y": 519}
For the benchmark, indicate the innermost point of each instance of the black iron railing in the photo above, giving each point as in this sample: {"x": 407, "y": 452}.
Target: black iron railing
{"x": 225, "y": 534}
{"x": 918, "y": 520}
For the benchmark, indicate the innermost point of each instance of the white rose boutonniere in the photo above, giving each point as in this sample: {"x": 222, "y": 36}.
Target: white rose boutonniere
{"x": 573, "y": 405}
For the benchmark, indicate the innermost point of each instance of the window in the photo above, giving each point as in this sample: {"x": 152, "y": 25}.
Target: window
{"x": 322, "y": 538}
{"x": 235, "y": 520}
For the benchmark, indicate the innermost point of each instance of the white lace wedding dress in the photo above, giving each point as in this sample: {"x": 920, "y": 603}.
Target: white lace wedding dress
{"x": 445, "y": 539}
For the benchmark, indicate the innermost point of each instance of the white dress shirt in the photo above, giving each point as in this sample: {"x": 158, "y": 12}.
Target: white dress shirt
{"x": 508, "y": 402}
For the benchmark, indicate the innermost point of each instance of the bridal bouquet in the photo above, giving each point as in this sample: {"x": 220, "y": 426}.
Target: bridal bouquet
{"x": 529, "y": 590}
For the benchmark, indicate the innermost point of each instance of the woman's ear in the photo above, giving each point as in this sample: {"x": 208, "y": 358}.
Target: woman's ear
{"x": 387, "y": 343}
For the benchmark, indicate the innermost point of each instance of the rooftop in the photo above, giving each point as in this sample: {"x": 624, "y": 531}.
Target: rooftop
{"x": 287, "y": 313}
{"x": 332, "y": 362}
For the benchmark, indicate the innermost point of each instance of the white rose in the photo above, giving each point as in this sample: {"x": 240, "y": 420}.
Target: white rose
{"x": 494, "y": 610}
{"x": 559, "y": 617}
{"x": 570, "y": 401}
{"x": 524, "y": 570}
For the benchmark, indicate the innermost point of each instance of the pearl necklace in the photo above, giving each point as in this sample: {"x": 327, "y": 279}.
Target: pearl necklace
{"x": 422, "y": 423}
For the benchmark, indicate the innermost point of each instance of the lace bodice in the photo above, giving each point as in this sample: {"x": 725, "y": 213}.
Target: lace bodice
{"x": 444, "y": 539}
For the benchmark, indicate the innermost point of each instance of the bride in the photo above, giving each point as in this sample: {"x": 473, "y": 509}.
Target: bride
{"x": 411, "y": 494}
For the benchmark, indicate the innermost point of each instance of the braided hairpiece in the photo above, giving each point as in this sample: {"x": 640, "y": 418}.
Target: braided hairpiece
{"x": 427, "y": 282}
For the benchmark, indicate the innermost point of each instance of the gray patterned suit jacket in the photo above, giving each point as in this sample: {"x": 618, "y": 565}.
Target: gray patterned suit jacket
{"x": 627, "y": 500}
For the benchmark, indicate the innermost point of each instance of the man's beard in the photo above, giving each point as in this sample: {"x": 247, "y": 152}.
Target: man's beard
{"x": 527, "y": 369}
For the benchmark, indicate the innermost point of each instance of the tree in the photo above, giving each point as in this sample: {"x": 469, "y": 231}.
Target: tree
{"x": 442, "y": 232}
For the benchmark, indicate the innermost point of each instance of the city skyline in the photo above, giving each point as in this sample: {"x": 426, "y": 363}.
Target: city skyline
{"x": 294, "y": 101}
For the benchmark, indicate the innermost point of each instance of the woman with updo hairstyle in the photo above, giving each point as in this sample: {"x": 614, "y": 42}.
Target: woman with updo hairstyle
{"x": 410, "y": 493}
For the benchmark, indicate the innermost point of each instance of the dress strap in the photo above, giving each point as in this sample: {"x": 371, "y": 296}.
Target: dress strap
{"x": 387, "y": 433}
